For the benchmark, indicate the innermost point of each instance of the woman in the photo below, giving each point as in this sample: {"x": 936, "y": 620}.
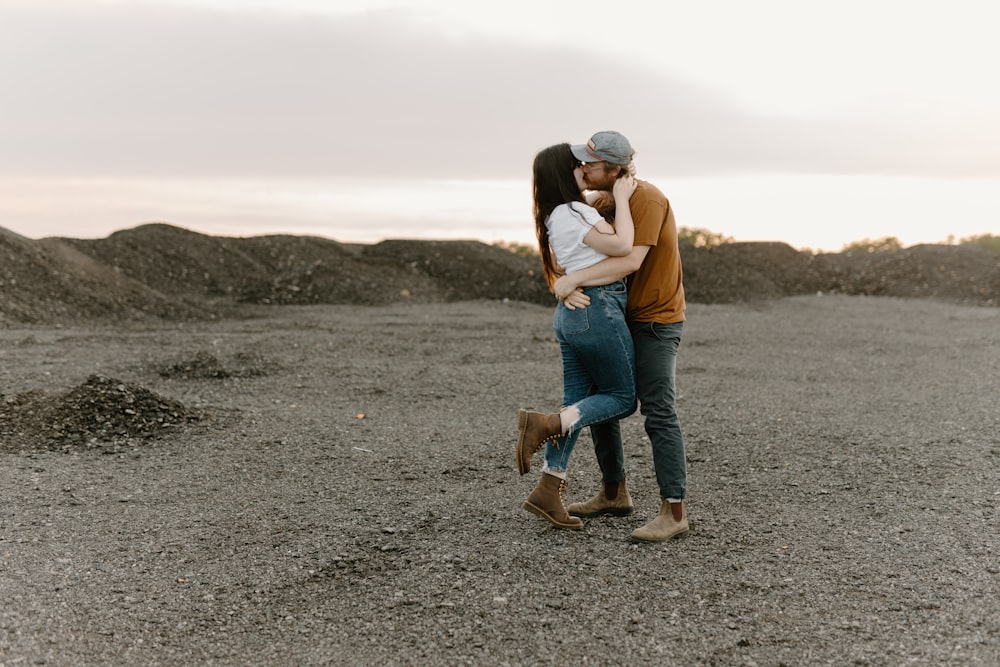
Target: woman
{"x": 597, "y": 353}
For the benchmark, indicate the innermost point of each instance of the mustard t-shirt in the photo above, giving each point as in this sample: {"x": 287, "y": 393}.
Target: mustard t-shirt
{"x": 656, "y": 290}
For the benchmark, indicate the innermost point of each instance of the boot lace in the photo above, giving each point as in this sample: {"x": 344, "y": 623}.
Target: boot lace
{"x": 554, "y": 439}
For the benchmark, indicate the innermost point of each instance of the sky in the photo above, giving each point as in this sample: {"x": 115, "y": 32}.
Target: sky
{"x": 816, "y": 124}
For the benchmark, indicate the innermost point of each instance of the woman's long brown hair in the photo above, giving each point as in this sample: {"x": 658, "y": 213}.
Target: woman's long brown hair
{"x": 554, "y": 184}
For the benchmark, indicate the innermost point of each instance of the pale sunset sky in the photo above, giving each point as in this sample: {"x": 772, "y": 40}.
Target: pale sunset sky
{"x": 812, "y": 123}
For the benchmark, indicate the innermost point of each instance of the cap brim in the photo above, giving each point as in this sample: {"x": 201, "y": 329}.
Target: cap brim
{"x": 581, "y": 153}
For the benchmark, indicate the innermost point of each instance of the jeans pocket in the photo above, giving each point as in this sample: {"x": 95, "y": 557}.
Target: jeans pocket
{"x": 667, "y": 332}
{"x": 574, "y": 321}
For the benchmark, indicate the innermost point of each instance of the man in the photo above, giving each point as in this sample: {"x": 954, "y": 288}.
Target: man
{"x": 655, "y": 313}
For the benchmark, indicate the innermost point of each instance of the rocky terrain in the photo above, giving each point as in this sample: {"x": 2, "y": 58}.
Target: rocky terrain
{"x": 166, "y": 272}
{"x": 287, "y": 450}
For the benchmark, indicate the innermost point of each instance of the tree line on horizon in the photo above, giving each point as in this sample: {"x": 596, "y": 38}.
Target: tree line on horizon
{"x": 704, "y": 238}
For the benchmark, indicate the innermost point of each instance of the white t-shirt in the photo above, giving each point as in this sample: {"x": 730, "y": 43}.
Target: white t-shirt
{"x": 568, "y": 224}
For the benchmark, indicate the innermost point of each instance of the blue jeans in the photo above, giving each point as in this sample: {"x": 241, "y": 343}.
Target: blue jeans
{"x": 598, "y": 365}
{"x": 656, "y": 362}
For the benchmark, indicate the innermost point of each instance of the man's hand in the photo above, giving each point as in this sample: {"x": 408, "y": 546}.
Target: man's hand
{"x": 563, "y": 287}
{"x": 576, "y": 299}
{"x": 567, "y": 291}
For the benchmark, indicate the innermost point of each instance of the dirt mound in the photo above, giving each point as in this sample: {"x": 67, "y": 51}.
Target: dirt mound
{"x": 284, "y": 269}
{"x": 42, "y": 281}
{"x": 747, "y": 272}
{"x": 205, "y": 365}
{"x": 171, "y": 260}
{"x": 469, "y": 269}
{"x": 350, "y": 278}
{"x": 100, "y": 412}
{"x": 161, "y": 271}
{"x": 963, "y": 273}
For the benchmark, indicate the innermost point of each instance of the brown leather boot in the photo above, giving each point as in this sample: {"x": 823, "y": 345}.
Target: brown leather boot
{"x": 546, "y": 501}
{"x": 670, "y": 522}
{"x": 533, "y": 430}
{"x": 603, "y": 503}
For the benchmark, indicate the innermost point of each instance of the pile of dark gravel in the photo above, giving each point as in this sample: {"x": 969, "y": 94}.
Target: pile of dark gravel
{"x": 100, "y": 412}
{"x": 206, "y": 366}
{"x": 165, "y": 272}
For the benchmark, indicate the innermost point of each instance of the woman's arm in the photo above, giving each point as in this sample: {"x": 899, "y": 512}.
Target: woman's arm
{"x": 616, "y": 240}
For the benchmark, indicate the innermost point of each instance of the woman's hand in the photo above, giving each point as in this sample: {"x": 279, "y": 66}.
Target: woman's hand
{"x": 623, "y": 189}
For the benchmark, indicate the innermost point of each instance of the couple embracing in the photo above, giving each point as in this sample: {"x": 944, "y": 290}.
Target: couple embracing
{"x": 619, "y": 323}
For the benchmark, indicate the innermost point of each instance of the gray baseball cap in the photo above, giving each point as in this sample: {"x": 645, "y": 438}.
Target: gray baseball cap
{"x": 609, "y": 146}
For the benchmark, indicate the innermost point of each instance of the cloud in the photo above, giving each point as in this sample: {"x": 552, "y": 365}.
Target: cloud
{"x": 145, "y": 90}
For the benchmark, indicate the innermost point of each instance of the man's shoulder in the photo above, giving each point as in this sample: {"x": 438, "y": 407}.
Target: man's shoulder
{"x": 648, "y": 197}
{"x": 650, "y": 192}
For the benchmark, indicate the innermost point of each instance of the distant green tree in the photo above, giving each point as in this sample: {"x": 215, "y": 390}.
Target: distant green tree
{"x": 883, "y": 244}
{"x": 988, "y": 241}
{"x": 701, "y": 238}
{"x": 522, "y": 249}
{"x": 694, "y": 236}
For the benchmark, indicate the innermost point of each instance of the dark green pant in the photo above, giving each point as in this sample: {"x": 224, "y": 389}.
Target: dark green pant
{"x": 656, "y": 348}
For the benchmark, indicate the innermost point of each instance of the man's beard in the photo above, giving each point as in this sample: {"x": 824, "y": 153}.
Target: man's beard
{"x": 604, "y": 183}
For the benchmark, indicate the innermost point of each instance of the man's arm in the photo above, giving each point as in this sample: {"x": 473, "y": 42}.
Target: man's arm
{"x": 602, "y": 273}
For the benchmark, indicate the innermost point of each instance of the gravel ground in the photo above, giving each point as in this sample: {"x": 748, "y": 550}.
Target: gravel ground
{"x": 335, "y": 484}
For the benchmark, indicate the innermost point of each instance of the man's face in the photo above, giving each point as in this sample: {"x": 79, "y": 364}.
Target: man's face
{"x": 599, "y": 175}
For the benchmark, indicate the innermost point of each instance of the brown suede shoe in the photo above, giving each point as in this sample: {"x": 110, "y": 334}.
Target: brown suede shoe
{"x": 600, "y": 504}
{"x": 546, "y": 501}
{"x": 664, "y": 526}
{"x": 533, "y": 430}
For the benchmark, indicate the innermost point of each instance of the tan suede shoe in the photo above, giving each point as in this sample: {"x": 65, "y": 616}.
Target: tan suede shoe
{"x": 664, "y": 526}
{"x": 600, "y": 504}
